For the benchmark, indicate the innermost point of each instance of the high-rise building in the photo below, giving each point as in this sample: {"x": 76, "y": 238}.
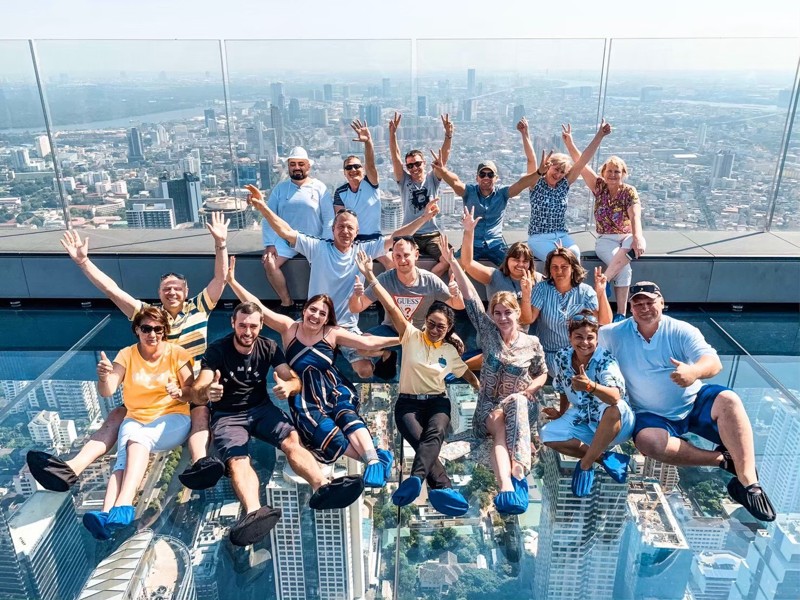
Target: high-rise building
{"x": 20, "y": 159}
{"x": 276, "y": 116}
{"x": 255, "y": 141}
{"x": 190, "y": 164}
{"x": 186, "y": 196}
{"x": 277, "y": 94}
{"x": 246, "y": 174}
{"x": 422, "y": 106}
{"x": 49, "y": 430}
{"x": 234, "y": 209}
{"x": 579, "y": 538}
{"x": 327, "y": 92}
{"x": 151, "y": 213}
{"x": 294, "y": 109}
{"x": 723, "y": 164}
{"x": 702, "y": 132}
{"x": 270, "y": 139}
{"x": 210, "y": 120}
{"x": 42, "y": 145}
{"x": 42, "y": 556}
{"x": 328, "y": 565}
{"x": 778, "y": 469}
{"x": 135, "y": 146}
{"x": 73, "y": 399}
{"x": 391, "y": 212}
{"x": 386, "y": 87}
{"x": 345, "y": 92}
{"x": 470, "y": 82}
{"x": 318, "y": 117}
{"x": 470, "y": 112}
{"x": 372, "y": 114}
{"x": 667, "y": 475}
{"x": 519, "y": 112}
{"x": 713, "y": 575}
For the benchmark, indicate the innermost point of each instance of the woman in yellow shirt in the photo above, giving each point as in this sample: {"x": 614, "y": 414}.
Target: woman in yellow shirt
{"x": 156, "y": 379}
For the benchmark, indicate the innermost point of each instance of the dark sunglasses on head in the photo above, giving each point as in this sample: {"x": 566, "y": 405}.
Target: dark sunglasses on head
{"x": 176, "y": 275}
{"x": 581, "y": 318}
{"x": 411, "y": 165}
{"x": 352, "y": 167}
{"x": 647, "y": 289}
{"x": 436, "y": 326}
{"x": 486, "y": 174}
{"x": 157, "y": 329}
{"x": 403, "y": 238}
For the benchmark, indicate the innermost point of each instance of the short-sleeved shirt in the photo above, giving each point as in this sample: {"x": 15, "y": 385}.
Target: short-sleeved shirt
{"x": 307, "y": 208}
{"x": 647, "y": 368}
{"x": 491, "y": 208}
{"x": 602, "y": 368}
{"x": 145, "y": 382}
{"x": 555, "y": 309}
{"x": 189, "y": 329}
{"x": 365, "y": 202}
{"x": 244, "y": 377}
{"x": 334, "y": 272}
{"x": 548, "y": 207}
{"x": 424, "y": 366}
{"x": 413, "y": 300}
{"x": 611, "y": 213}
{"x": 415, "y": 197}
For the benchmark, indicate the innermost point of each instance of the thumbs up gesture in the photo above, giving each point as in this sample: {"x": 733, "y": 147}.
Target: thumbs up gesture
{"x": 581, "y": 381}
{"x": 358, "y": 287}
{"x": 452, "y": 286}
{"x": 215, "y": 389}
{"x": 174, "y": 389}
{"x": 282, "y": 388}
{"x": 104, "y": 367}
{"x": 683, "y": 375}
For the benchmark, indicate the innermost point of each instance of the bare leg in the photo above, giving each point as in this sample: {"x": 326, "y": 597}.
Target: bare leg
{"x": 360, "y": 444}
{"x": 574, "y": 448}
{"x": 617, "y": 263}
{"x": 272, "y": 266}
{"x": 114, "y": 483}
{"x": 736, "y": 435}
{"x": 440, "y": 268}
{"x": 501, "y": 462}
{"x": 135, "y": 468}
{"x": 245, "y": 483}
{"x": 657, "y": 443}
{"x": 621, "y": 296}
{"x": 302, "y": 461}
{"x": 607, "y": 429}
{"x": 199, "y": 435}
{"x": 101, "y": 441}
{"x": 363, "y": 368}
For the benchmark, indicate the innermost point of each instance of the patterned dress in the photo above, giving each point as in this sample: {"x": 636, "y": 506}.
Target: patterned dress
{"x": 506, "y": 372}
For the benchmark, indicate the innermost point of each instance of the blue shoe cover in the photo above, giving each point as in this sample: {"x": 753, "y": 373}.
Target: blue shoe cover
{"x": 616, "y": 465}
{"x": 96, "y": 522}
{"x": 407, "y": 492}
{"x": 120, "y": 516}
{"x": 448, "y": 502}
{"x": 510, "y": 503}
{"x": 618, "y": 317}
{"x": 387, "y": 460}
{"x": 582, "y": 481}
{"x": 375, "y": 475}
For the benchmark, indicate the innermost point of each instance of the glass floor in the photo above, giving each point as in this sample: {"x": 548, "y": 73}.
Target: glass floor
{"x": 668, "y": 533}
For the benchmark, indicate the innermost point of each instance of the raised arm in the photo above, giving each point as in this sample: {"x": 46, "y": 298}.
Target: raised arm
{"x": 587, "y": 154}
{"x": 527, "y": 146}
{"x": 281, "y": 227}
{"x": 358, "y": 301}
{"x": 109, "y": 376}
{"x": 443, "y": 173}
{"x": 394, "y": 147}
{"x": 531, "y": 179}
{"x": 364, "y": 263}
{"x": 604, "y": 313}
{"x": 78, "y": 251}
{"x": 364, "y": 136}
{"x": 461, "y": 279}
{"x": 280, "y": 323}
{"x": 363, "y": 342}
{"x": 588, "y": 174}
{"x": 481, "y": 273}
{"x": 218, "y": 228}
{"x": 448, "y": 138}
{"x": 431, "y": 210}
{"x": 526, "y": 292}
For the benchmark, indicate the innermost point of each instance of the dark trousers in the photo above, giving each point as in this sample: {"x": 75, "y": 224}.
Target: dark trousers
{"x": 423, "y": 424}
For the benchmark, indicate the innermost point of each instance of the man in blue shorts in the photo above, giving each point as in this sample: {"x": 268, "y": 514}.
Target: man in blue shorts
{"x": 663, "y": 361}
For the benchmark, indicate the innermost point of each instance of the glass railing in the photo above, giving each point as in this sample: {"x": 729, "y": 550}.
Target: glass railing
{"x": 176, "y": 128}
{"x": 667, "y": 533}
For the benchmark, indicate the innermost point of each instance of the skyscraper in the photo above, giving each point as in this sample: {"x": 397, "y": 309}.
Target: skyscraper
{"x": 372, "y": 113}
{"x": 135, "y": 146}
{"x": 667, "y": 475}
{"x": 391, "y": 212}
{"x": 778, "y": 468}
{"x": 42, "y": 145}
{"x": 470, "y": 82}
{"x": 723, "y": 164}
{"x": 294, "y": 109}
{"x": 276, "y": 116}
{"x": 150, "y": 213}
{"x": 277, "y": 94}
{"x": 327, "y": 92}
{"x": 519, "y": 112}
{"x": 211, "y": 120}
{"x": 255, "y": 141}
{"x": 386, "y": 87}
{"x": 186, "y": 197}
{"x": 422, "y": 106}
{"x": 713, "y": 575}
{"x": 20, "y": 159}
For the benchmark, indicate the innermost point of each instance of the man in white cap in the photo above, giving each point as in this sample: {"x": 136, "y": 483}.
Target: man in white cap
{"x": 305, "y": 203}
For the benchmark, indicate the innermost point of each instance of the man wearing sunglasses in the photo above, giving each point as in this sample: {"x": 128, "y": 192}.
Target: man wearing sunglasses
{"x": 489, "y": 203}
{"x": 188, "y": 319}
{"x": 417, "y": 188}
{"x": 663, "y": 361}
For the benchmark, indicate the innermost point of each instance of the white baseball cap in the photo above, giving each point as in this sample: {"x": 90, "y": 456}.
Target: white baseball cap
{"x": 299, "y": 153}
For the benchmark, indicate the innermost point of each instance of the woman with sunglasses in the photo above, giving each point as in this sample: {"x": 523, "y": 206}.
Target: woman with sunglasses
{"x": 512, "y": 374}
{"x": 422, "y": 412}
{"x": 593, "y": 414}
{"x": 325, "y": 413}
{"x": 157, "y": 377}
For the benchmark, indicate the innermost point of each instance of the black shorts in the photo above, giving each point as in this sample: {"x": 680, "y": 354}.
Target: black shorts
{"x": 232, "y": 431}
{"x": 428, "y": 244}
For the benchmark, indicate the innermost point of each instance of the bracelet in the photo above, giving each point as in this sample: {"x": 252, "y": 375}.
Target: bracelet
{"x": 371, "y": 285}
{"x": 222, "y": 247}
{"x": 83, "y": 262}
{"x": 447, "y": 137}
{"x": 102, "y": 380}
{"x": 594, "y": 389}
{"x": 540, "y": 174}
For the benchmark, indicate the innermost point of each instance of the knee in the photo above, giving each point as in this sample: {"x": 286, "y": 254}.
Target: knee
{"x": 237, "y": 464}
{"x": 116, "y": 416}
{"x": 652, "y": 445}
{"x": 363, "y": 368}
{"x": 199, "y": 418}
{"x": 495, "y": 422}
{"x": 291, "y": 443}
{"x": 612, "y": 412}
{"x": 726, "y": 402}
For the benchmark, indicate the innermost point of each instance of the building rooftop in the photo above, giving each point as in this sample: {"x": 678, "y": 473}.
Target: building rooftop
{"x": 34, "y": 518}
{"x": 653, "y": 516}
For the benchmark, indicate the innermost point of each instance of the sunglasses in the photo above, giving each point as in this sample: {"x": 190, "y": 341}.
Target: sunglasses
{"x": 157, "y": 329}
{"x": 171, "y": 274}
{"x": 648, "y": 289}
{"x": 430, "y": 325}
{"x": 404, "y": 238}
{"x": 352, "y": 167}
{"x": 486, "y": 174}
{"x": 581, "y": 318}
{"x": 413, "y": 165}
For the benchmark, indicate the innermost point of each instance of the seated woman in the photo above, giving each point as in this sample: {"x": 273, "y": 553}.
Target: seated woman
{"x": 561, "y": 296}
{"x": 325, "y": 413}
{"x": 513, "y": 372}
{"x": 157, "y": 378}
{"x": 422, "y": 412}
{"x": 593, "y": 414}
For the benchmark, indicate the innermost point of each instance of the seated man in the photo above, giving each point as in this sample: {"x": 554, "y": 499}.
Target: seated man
{"x": 233, "y": 379}
{"x": 188, "y": 327}
{"x": 663, "y": 361}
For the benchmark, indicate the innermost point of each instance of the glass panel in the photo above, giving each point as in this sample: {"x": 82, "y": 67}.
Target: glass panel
{"x": 141, "y": 130}
{"x": 701, "y": 128}
{"x": 28, "y": 193}
{"x": 787, "y": 205}
{"x": 487, "y": 86}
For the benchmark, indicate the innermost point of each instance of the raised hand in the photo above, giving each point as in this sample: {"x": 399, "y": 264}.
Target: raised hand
{"x": 605, "y": 128}
{"x": 78, "y": 250}
{"x": 231, "y": 277}
{"x": 174, "y": 390}
{"x": 600, "y": 281}
{"x": 683, "y": 375}
{"x": 447, "y": 252}
{"x": 437, "y": 163}
{"x": 282, "y": 388}
{"x": 468, "y": 220}
{"x": 215, "y": 389}
{"x": 358, "y": 287}
{"x": 362, "y": 131}
{"x": 581, "y": 381}
{"x": 447, "y": 124}
{"x": 452, "y": 286}
{"x": 364, "y": 263}
{"x": 526, "y": 285}
{"x": 104, "y": 367}
{"x": 566, "y": 132}
{"x": 394, "y": 122}
{"x": 218, "y": 227}
{"x": 551, "y": 413}
{"x": 522, "y": 126}
{"x": 432, "y": 209}
{"x": 544, "y": 163}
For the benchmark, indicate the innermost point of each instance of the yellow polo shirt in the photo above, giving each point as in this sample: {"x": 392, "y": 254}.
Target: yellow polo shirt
{"x": 424, "y": 366}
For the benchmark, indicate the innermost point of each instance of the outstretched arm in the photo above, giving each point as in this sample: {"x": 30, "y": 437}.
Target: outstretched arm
{"x": 273, "y": 320}
{"x": 431, "y": 210}
{"x": 448, "y": 138}
{"x": 78, "y": 251}
{"x": 587, "y": 154}
{"x": 394, "y": 147}
{"x": 604, "y": 313}
{"x": 480, "y": 272}
{"x": 463, "y": 282}
{"x": 281, "y": 227}
{"x": 218, "y": 228}
{"x": 588, "y": 174}
{"x": 443, "y": 173}
{"x": 364, "y": 342}
{"x": 531, "y": 179}
{"x": 527, "y": 146}
{"x": 364, "y": 264}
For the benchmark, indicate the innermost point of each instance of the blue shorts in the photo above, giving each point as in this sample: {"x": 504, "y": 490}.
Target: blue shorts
{"x": 698, "y": 421}
{"x": 492, "y": 250}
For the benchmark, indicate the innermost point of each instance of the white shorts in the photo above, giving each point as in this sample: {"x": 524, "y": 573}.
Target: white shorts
{"x": 542, "y": 244}
{"x": 165, "y": 433}
{"x": 564, "y": 428}
{"x": 607, "y": 245}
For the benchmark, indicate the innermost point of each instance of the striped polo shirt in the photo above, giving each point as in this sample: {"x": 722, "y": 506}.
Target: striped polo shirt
{"x": 189, "y": 328}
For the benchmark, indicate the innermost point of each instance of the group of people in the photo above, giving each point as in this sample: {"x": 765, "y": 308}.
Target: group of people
{"x": 617, "y": 378}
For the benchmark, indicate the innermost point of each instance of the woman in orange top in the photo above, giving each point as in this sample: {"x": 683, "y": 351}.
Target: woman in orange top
{"x": 157, "y": 378}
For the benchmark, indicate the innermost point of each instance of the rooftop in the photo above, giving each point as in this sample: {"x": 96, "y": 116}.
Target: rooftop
{"x": 34, "y": 519}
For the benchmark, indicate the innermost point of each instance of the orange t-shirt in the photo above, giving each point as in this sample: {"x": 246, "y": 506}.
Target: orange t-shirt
{"x": 144, "y": 386}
